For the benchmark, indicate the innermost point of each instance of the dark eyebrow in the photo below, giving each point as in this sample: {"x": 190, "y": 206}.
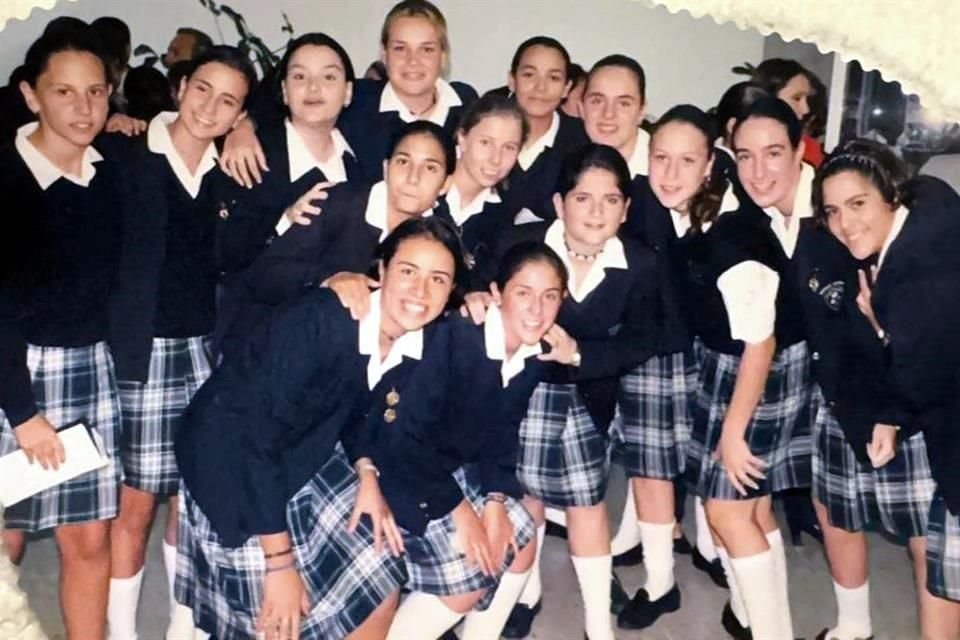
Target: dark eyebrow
{"x": 859, "y": 195}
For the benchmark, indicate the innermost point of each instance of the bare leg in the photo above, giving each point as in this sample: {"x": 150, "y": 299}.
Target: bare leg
{"x": 377, "y": 624}
{"x": 939, "y": 618}
{"x": 131, "y": 529}
{"x": 15, "y": 543}
{"x": 846, "y": 551}
{"x": 84, "y": 578}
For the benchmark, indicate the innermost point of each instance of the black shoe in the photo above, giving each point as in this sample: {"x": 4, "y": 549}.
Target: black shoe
{"x": 713, "y": 568}
{"x": 618, "y": 595}
{"x": 732, "y": 626}
{"x": 823, "y": 636}
{"x": 556, "y": 530}
{"x": 812, "y": 529}
{"x": 641, "y": 613}
{"x": 520, "y": 620}
{"x": 449, "y": 635}
{"x": 629, "y": 558}
{"x": 682, "y": 546}
{"x": 801, "y": 518}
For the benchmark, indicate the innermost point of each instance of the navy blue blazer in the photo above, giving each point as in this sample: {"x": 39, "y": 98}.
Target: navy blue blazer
{"x": 264, "y": 423}
{"x": 453, "y": 411}
{"x": 368, "y": 130}
{"x": 478, "y": 234}
{"x": 533, "y": 189}
{"x": 251, "y": 224}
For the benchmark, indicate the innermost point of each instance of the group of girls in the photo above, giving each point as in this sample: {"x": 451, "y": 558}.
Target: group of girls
{"x": 366, "y": 354}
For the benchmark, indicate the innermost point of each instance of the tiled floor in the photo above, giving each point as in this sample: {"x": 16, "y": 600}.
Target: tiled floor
{"x": 811, "y": 593}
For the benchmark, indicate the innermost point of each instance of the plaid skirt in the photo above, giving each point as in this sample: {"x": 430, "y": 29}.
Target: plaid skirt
{"x": 437, "y": 566}
{"x": 345, "y": 577}
{"x": 71, "y": 384}
{"x": 151, "y": 412}
{"x": 943, "y": 551}
{"x": 855, "y": 494}
{"x": 654, "y": 417}
{"x": 778, "y": 432}
{"x": 563, "y": 457}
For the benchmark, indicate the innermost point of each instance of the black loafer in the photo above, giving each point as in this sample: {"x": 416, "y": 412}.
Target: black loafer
{"x": 732, "y": 626}
{"x": 449, "y": 635}
{"x": 618, "y": 595}
{"x": 682, "y": 546}
{"x": 520, "y": 620}
{"x": 713, "y": 568}
{"x": 629, "y": 558}
{"x": 823, "y": 636}
{"x": 641, "y": 612}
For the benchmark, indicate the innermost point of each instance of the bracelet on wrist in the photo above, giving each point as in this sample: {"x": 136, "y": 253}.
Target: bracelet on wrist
{"x": 282, "y": 567}
{"x": 287, "y": 551}
{"x": 368, "y": 466}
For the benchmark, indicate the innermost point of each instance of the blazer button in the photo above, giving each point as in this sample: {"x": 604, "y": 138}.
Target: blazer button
{"x": 832, "y": 404}
{"x": 423, "y": 505}
{"x": 815, "y": 356}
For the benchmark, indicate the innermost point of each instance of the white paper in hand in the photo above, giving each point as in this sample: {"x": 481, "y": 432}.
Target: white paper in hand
{"x": 19, "y": 479}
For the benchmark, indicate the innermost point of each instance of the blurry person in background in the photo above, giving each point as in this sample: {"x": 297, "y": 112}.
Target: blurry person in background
{"x": 571, "y": 105}
{"x": 114, "y": 35}
{"x": 147, "y": 92}
{"x": 186, "y": 44}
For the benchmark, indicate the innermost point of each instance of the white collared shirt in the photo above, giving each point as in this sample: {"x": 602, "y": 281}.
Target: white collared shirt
{"x": 729, "y": 203}
{"x": 528, "y": 156}
{"x": 409, "y": 345}
{"x": 495, "y": 341}
{"x": 376, "y": 213}
{"x": 461, "y": 212}
{"x": 899, "y": 218}
{"x": 44, "y": 171}
{"x": 447, "y": 98}
{"x": 159, "y": 141}
{"x": 802, "y": 208}
{"x": 639, "y": 162}
{"x": 301, "y": 160}
{"x": 612, "y": 257}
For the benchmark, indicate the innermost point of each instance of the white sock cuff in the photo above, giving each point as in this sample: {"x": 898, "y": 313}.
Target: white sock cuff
{"x": 774, "y": 539}
{"x": 136, "y": 578}
{"x": 752, "y": 563}
{"x": 705, "y": 544}
{"x": 839, "y": 589}
{"x": 422, "y": 615}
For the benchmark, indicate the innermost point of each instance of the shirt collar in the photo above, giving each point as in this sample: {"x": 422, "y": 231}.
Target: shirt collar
{"x": 159, "y": 141}
{"x": 302, "y": 161}
{"x": 802, "y": 208}
{"x": 899, "y": 218}
{"x": 376, "y": 212}
{"x": 639, "y": 162}
{"x": 409, "y": 345}
{"x": 529, "y": 155}
{"x": 495, "y": 341}
{"x": 44, "y": 171}
{"x": 447, "y": 98}
{"x": 461, "y": 213}
{"x": 681, "y": 222}
{"x": 613, "y": 256}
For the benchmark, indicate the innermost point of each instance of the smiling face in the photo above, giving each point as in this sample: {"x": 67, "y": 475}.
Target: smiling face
{"x": 540, "y": 82}
{"x": 856, "y": 213}
{"x": 679, "y": 163}
{"x": 768, "y": 166}
{"x": 315, "y": 86}
{"x": 613, "y": 108}
{"x": 70, "y": 98}
{"x": 529, "y": 303}
{"x": 796, "y": 93}
{"x": 416, "y": 174}
{"x": 415, "y": 285}
{"x": 489, "y": 150}
{"x": 211, "y": 100}
{"x": 414, "y": 56}
{"x": 592, "y": 211}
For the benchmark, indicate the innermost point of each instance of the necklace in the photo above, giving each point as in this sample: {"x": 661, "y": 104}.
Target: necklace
{"x": 586, "y": 257}
{"x": 433, "y": 103}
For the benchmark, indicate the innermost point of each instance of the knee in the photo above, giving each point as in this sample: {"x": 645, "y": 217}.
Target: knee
{"x": 84, "y": 542}
{"x": 723, "y": 518}
{"x": 14, "y": 542}
{"x": 463, "y": 603}
{"x": 525, "y": 558}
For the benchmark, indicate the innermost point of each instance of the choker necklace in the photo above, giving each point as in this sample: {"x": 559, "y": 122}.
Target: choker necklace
{"x": 433, "y": 103}
{"x": 581, "y": 256}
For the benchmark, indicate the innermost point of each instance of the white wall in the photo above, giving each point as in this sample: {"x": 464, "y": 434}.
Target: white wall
{"x": 686, "y": 60}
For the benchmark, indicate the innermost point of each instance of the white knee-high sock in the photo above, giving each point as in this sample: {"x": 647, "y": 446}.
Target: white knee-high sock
{"x": 775, "y": 540}
{"x": 533, "y": 590}
{"x": 483, "y": 625}
{"x": 122, "y": 607}
{"x": 422, "y": 616}
{"x": 593, "y": 574}
{"x": 757, "y": 577}
{"x": 657, "y": 557}
{"x": 628, "y": 533}
{"x": 704, "y": 538}
{"x": 170, "y": 564}
{"x": 181, "y": 625}
{"x": 556, "y": 516}
{"x": 853, "y": 613}
{"x": 736, "y": 598}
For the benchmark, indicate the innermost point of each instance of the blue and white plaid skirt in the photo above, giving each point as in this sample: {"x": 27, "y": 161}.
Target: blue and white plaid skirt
{"x": 898, "y": 494}
{"x": 71, "y": 384}
{"x": 654, "y": 418}
{"x": 563, "y": 457}
{"x": 151, "y": 411}
{"x": 943, "y": 551}
{"x": 779, "y": 432}
{"x": 345, "y": 577}
{"x": 436, "y": 565}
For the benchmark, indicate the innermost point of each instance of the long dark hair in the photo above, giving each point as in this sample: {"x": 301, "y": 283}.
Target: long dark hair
{"x": 775, "y": 109}
{"x": 872, "y": 160}
{"x": 435, "y": 131}
{"x": 541, "y": 41}
{"x": 734, "y": 103}
{"x": 493, "y": 104}
{"x": 594, "y": 156}
{"x": 704, "y": 206}
{"x": 71, "y": 36}
{"x": 523, "y": 253}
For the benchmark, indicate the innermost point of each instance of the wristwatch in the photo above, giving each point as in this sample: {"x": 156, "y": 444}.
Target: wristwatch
{"x": 576, "y": 359}
{"x": 884, "y": 337}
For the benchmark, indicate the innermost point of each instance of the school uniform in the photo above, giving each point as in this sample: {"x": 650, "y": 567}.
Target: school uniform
{"x": 376, "y": 114}
{"x": 259, "y": 454}
{"x": 563, "y": 449}
{"x": 258, "y": 217}
{"x": 733, "y": 292}
{"x": 477, "y": 223}
{"x": 655, "y": 399}
{"x": 529, "y": 188}
{"x": 61, "y": 237}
